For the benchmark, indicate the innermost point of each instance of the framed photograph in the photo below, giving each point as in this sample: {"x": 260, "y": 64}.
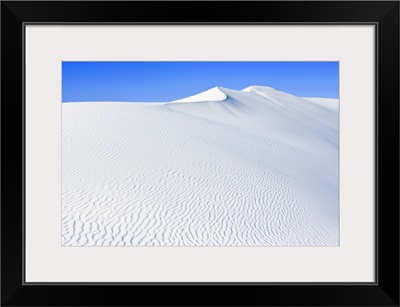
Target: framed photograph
{"x": 241, "y": 153}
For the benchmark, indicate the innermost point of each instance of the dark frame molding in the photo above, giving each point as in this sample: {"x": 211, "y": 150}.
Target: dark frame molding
{"x": 383, "y": 14}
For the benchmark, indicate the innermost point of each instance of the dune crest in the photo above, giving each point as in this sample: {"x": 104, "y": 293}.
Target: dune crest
{"x": 213, "y": 94}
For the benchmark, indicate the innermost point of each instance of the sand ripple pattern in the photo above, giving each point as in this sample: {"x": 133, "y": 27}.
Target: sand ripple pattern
{"x": 246, "y": 171}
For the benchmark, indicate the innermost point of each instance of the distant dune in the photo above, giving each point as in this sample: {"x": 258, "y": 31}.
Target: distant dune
{"x": 257, "y": 167}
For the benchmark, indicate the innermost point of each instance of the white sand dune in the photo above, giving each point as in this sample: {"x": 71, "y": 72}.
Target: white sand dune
{"x": 256, "y": 167}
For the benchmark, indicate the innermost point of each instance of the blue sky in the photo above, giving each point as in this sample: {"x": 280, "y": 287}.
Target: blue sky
{"x": 167, "y": 81}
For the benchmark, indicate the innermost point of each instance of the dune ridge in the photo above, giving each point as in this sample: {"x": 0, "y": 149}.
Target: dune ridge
{"x": 258, "y": 167}
{"x": 213, "y": 94}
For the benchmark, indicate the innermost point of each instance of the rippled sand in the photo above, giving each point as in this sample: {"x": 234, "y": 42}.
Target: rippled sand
{"x": 256, "y": 167}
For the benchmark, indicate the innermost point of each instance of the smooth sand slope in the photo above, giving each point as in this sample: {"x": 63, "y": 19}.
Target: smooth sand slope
{"x": 256, "y": 167}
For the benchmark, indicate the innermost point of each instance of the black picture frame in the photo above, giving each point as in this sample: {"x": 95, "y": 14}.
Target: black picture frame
{"x": 383, "y": 14}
